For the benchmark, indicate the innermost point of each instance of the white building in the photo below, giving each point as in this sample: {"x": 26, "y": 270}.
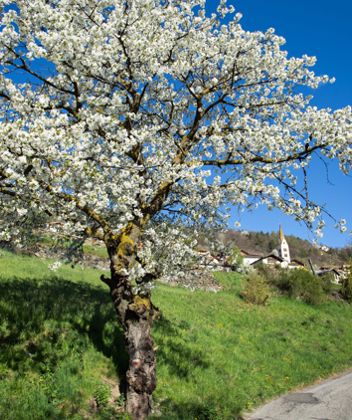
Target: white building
{"x": 249, "y": 258}
{"x": 284, "y": 248}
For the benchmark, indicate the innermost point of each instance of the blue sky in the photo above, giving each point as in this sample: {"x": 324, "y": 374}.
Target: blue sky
{"x": 324, "y": 29}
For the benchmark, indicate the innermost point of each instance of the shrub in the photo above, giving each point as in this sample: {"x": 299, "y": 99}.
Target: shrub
{"x": 257, "y": 290}
{"x": 327, "y": 282}
{"x": 346, "y": 288}
{"x": 270, "y": 274}
{"x": 102, "y": 396}
{"x": 301, "y": 284}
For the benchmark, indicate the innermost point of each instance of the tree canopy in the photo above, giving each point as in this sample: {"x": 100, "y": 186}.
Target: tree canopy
{"x": 116, "y": 111}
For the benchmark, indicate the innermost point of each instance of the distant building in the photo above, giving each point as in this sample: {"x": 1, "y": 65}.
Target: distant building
{"x": 214, "y": 262}
{"x": 279, "y": 257}
{"x": 249, "y": 257}
{"x": 271, "y": 260}
{"x": 336, "y": 275}
{"x": 284, "y": 248}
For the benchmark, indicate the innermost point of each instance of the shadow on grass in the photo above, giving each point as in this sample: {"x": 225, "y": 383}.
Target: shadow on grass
{"x": 176, "y": 351}
{"x": 205, "y": 410}
{"x": 44, "y": 321}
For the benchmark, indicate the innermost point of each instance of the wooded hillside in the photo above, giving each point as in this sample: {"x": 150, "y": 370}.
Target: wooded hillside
{"x": 262, "y": 243}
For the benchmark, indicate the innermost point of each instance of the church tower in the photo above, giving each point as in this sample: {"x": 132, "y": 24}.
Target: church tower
{"x": 284, "y": 249}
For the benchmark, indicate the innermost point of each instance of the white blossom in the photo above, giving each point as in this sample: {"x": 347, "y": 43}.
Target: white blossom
{"x": 156, "y": 114}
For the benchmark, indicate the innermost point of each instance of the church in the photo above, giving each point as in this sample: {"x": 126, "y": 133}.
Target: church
{"x": 284, "y": 250}
{"x": 279, "y": 256}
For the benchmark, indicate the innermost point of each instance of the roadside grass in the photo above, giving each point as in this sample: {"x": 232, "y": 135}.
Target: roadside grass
{"x": 221, "y": 356}
{"x": 61, "y": 350}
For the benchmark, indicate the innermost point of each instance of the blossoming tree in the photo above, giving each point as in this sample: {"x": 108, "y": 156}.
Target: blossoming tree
{"x": 124, "y": 119}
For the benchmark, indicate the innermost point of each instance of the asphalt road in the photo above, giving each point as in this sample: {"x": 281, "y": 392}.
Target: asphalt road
{"x": 330, "y": 400}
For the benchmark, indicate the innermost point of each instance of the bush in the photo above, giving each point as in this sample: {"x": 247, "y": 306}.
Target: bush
{"x": 102, "y": 396}
{"x": 257, "y": 290}
{"x": 327, "y": 282}
{"x": 270, "y": 274}
{"x": 303, "y": 285}
{"x": 346, "y": 288}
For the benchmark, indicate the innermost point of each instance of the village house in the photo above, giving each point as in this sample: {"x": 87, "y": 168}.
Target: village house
{"x": 213, "y": 262}
{"x": 336, "y": 275}
{"x": 249, "y": 258}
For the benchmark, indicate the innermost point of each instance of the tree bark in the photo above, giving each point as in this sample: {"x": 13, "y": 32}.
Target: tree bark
{"x": 135, "y": 313}
{"x": 141, "y": 374}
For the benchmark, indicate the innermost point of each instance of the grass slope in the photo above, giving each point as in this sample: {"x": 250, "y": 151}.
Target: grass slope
{"x": 61, "y": 350}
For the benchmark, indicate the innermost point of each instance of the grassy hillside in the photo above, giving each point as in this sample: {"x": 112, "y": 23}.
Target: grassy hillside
{"x": 61, "y": 351}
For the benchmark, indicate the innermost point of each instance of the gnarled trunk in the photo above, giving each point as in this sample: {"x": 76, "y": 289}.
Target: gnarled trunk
{"x": 141, "y": 374}
{"x": 135, "y": 314}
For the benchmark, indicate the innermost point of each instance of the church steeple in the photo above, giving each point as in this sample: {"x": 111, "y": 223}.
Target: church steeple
{"x": 284, "y": 249}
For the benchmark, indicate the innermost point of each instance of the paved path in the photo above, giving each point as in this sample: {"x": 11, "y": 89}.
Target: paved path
{"x": 330, "y": 400}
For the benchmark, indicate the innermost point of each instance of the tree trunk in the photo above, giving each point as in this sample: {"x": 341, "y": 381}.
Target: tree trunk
{"x": 135, "y": 314}
{"x": 141, "y": 374}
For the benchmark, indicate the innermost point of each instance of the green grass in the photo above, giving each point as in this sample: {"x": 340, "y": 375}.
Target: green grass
{"x": 217, "y": 355}
{"x": 47, "y": 241}
{"x": 22, "y": 266}
{"x": 98, "y": 251}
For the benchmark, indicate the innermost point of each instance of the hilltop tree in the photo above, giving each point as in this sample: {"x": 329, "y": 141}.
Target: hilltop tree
{"x": 125, "y": 119}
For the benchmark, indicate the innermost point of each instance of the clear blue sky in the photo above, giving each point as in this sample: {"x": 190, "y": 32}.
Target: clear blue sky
{"x": 324, "y": 29}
